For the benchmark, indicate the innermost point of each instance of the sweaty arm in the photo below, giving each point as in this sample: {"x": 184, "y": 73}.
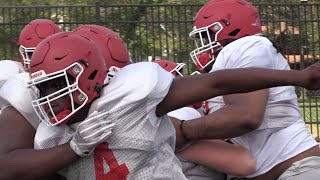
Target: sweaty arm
{"x": 241, "y": 114}
{"x": 18, "y": 159}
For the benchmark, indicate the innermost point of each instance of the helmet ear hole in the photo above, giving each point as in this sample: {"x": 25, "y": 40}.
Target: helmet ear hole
{"x": 234, "y": 33}
{"x": 59, "y": 58}
{"x": 93, "y": 75}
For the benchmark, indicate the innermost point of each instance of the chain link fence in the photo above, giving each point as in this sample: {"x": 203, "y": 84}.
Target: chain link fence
{"x": 162, "y": 32}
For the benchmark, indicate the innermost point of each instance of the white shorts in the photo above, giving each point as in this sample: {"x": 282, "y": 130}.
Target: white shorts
{"x": 199, "y": 172}
{"x": 305, "y": 169}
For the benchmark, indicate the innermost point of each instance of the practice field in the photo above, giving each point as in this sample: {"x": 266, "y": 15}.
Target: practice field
{"x": 310, "y": 113}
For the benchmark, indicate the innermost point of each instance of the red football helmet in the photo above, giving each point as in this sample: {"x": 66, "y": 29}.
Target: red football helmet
{"x": 219, "y": 22}
{"x": 175, "y": 68}
{"x": 111, "y": 44}
{"x": 78, "y": 62}
{"x": 31, "y": 35}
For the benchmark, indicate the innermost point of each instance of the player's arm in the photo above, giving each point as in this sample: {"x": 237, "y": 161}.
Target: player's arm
{"x": 192, "y": 89}
{"x": 18, "y": 159}
{"x": 220, "y": 155}
{"x": 241, "y": 114}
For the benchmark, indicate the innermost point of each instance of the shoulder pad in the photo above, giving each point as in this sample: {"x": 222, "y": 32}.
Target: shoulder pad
{"x": 19, "y": 95}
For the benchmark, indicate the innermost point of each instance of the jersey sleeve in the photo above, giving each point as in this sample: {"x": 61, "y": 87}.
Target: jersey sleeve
{"x": 3, "y": 104}
{"x": 9, "y": 68}
{"x": 154, "y": 84}
{"x": 143, "y": 82}
{"x": 17, "y": 93}
{"x": 159, "y": 88}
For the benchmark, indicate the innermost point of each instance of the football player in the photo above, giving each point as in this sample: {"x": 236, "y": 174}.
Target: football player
{"x": 31, "y": 35}
{"x": 70, "y": 73}
{"x": 211, "y": 155}
{"x": 266, "y": 122}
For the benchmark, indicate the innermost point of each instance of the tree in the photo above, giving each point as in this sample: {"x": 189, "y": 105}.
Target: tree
{"x": 152, "y": 28}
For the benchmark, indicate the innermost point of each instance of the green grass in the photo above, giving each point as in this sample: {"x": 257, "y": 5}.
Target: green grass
{"x": 311, "y": 115}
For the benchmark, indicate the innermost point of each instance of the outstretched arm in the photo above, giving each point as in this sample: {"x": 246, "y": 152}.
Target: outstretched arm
{"x": 241, "y": 114}
{"x": 192, "y": 89}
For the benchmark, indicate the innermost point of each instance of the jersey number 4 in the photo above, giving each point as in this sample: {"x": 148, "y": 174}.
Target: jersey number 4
{"x": 117, "y": 172}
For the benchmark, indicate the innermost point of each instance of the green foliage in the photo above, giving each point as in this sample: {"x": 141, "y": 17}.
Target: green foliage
{"x": 155, "y": 29}
{"x": 160, "y": 31}
{"x": 280, "y": 1}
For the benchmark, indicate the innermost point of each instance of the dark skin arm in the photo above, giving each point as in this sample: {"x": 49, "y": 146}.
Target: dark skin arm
{"x": 18, "y": 159}
{"x": 188, "y": 90}
{"x": 242, "y": 113}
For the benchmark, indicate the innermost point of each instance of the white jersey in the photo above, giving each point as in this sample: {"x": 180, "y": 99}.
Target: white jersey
{"x": 185, "y": 113}
{"x": 17, "y": 93}
{"x": 3, "y": 104}
{"x": 282, "y": 134}
{"x": 141, "y": 145}
{"x": 9, "y": 68}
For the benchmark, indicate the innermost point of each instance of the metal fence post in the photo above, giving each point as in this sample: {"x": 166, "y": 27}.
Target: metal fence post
{"x": 98, "y": 16}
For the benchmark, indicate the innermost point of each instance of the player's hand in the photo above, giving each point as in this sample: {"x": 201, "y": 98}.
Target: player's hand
{"x": 312, "y": 74}
{"x": 91, "y": 132}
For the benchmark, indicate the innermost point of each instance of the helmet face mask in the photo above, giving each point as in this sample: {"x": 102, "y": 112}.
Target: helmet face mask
{"x": 207, "y": 44}
{"x": 195, "y": 73}
{"x": 68, "y": 69}
{"x": 26, "y": 54}
{"x": 112, "y": 72}
{"x": 45, "y": 104}
{"x": 178, "y": 70}
{"x": 175, "y": 69}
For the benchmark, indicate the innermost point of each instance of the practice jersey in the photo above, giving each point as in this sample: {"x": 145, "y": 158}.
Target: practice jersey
{"x": 185, "y": 113}
{"x": 3, "y": 104}
{"x": 258, "y": 52}
{"x": 17, "y": 93}
{"x": 9, "y": 68}
{"x": 282, "y": 127}
{"x": 141, "y": 145}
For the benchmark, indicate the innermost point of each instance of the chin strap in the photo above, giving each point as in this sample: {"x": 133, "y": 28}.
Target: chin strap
{"x": 64, "y": 113}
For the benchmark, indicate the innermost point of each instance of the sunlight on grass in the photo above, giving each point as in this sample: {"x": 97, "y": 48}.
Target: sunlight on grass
{"x": 314, "y": 129}
{"x": 311, "y": 115}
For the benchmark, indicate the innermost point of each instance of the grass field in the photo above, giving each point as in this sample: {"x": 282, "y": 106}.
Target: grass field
{"x": 311, "y": 115}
